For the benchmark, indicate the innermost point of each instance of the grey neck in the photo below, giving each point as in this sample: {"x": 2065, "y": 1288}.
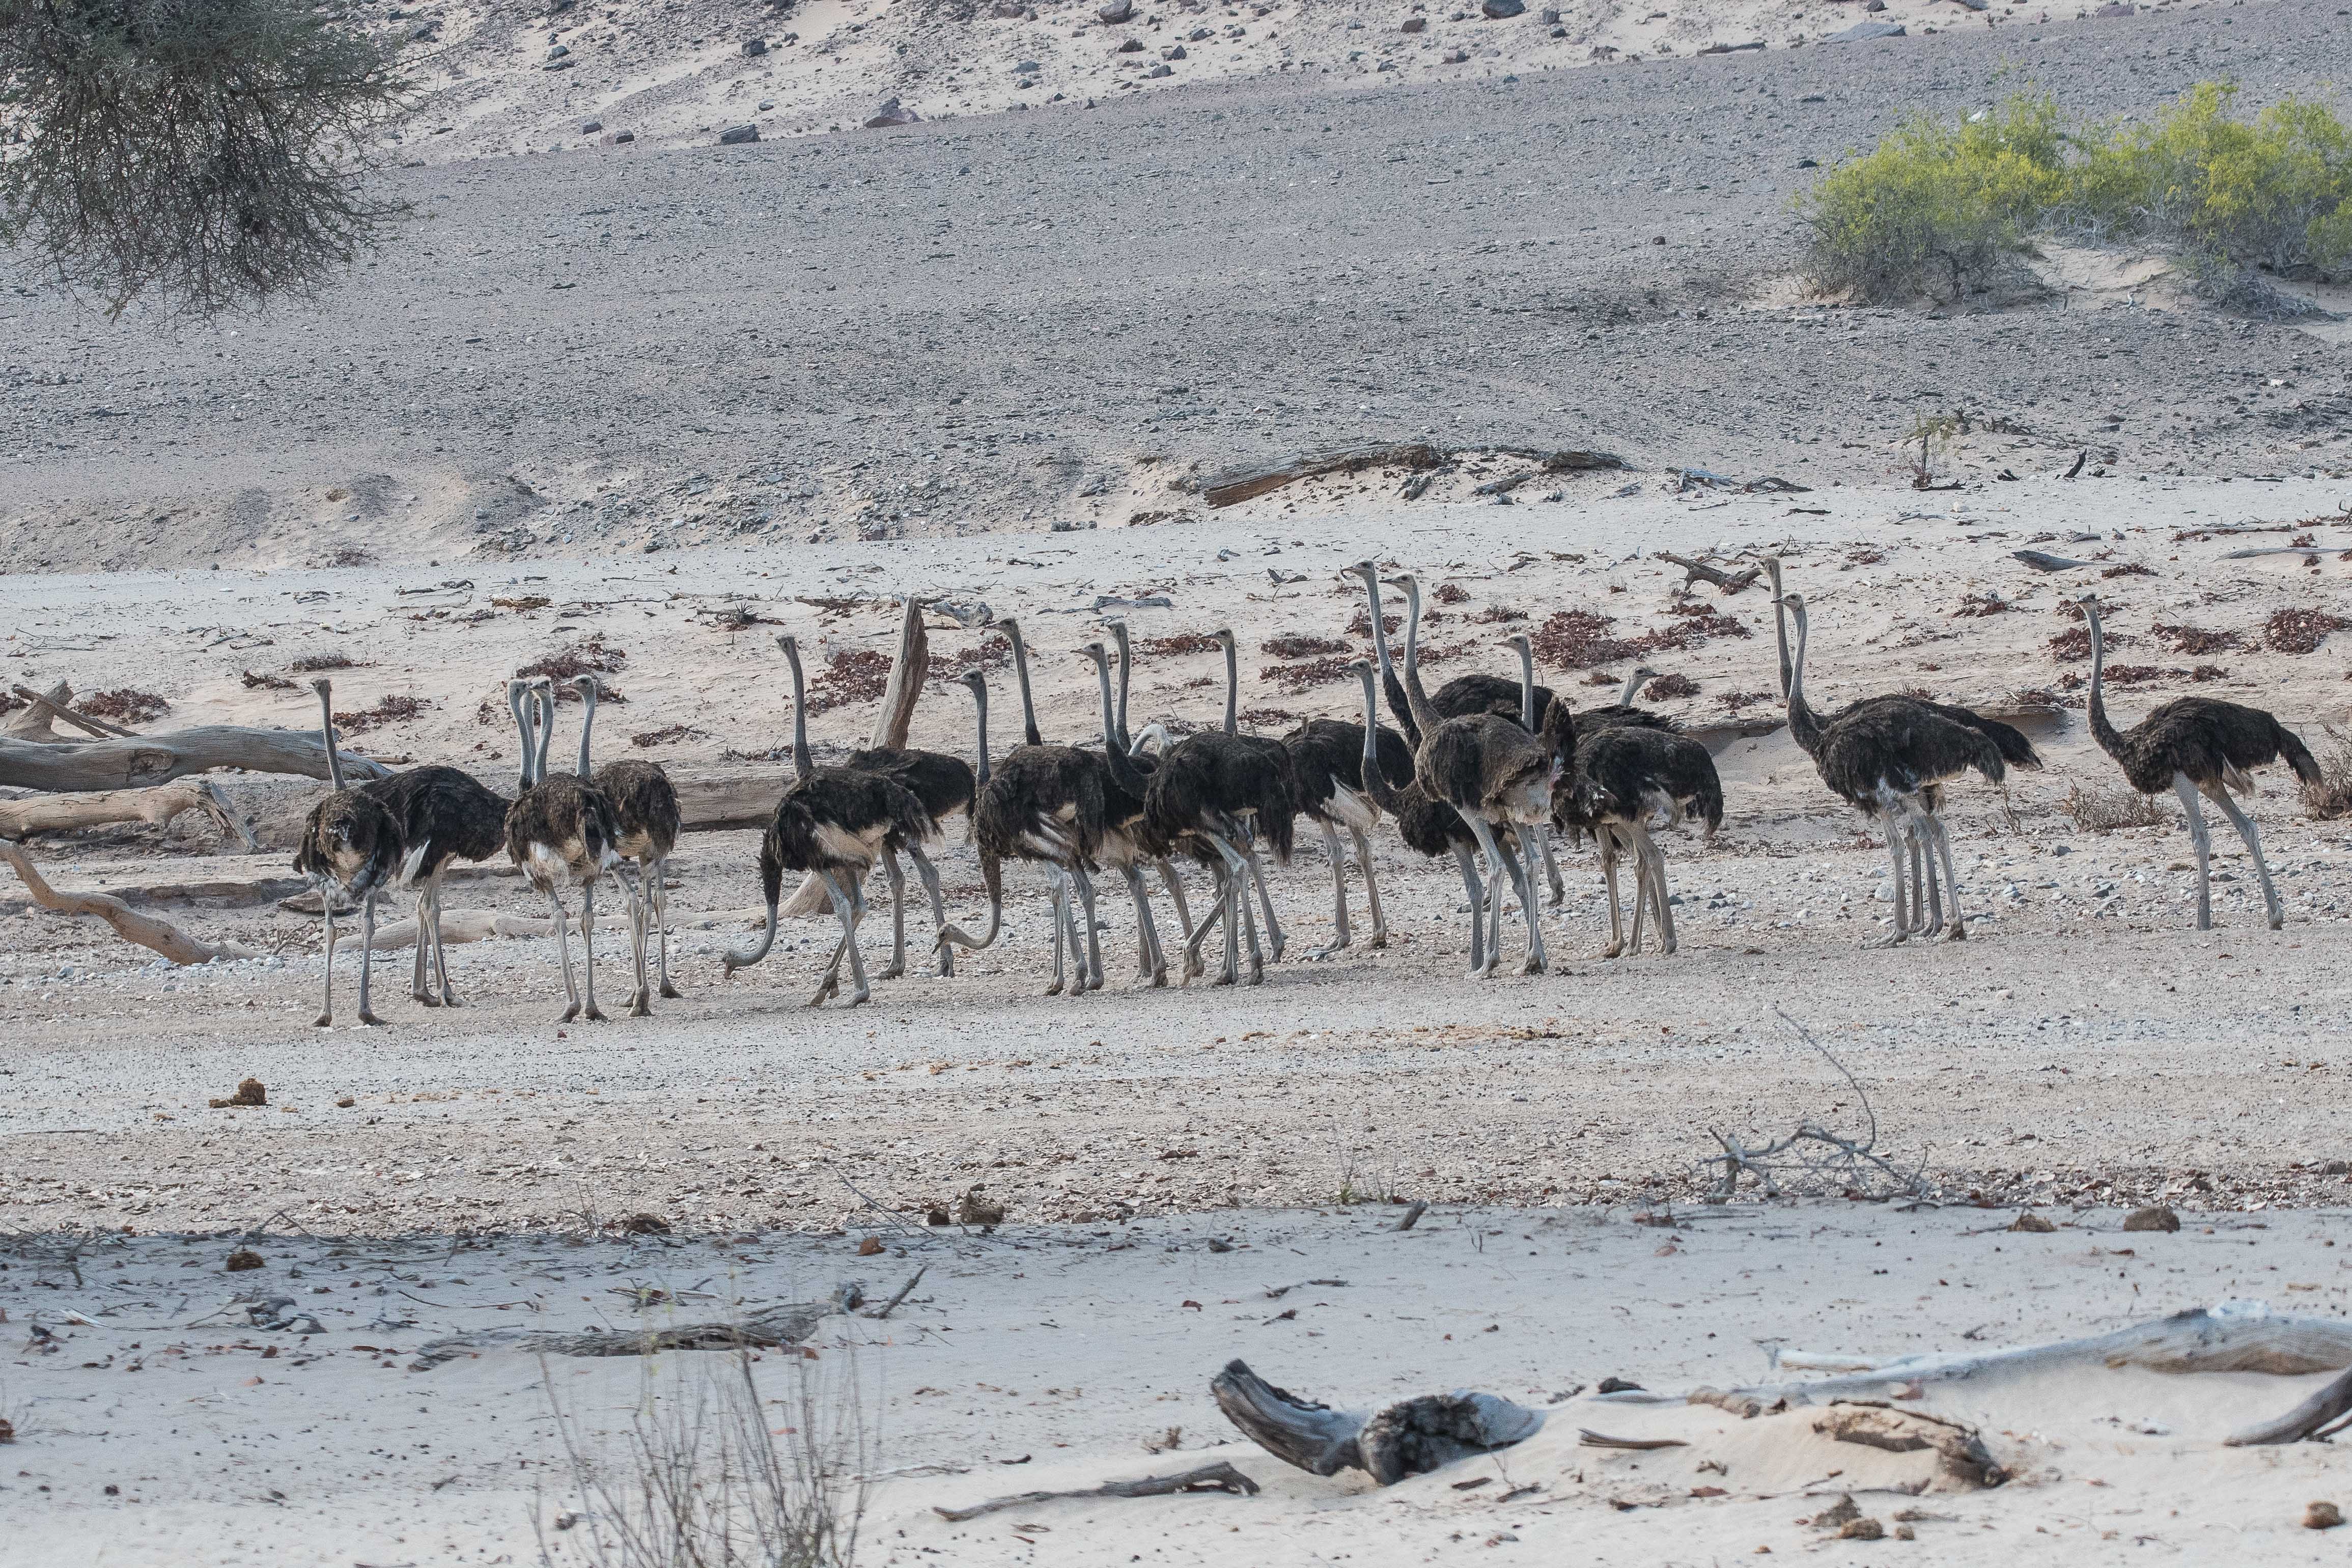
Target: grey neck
{"x": 587, "y": 720}
{"x": 1029, "y": 731}
{"x": 515, "y": 690}
{"x": 542, "y": 702}
{"x": 327, "y": 730}
{"x": 1126, "y": 673}
{"x": 1232, "y": 687}
{"x": 802, "y": 764}
{"x": 1779, "y": 618}
{"x": 1633, "y": 685}
{"x": 1526, "y": 685}
{"x": 980, "y": 725}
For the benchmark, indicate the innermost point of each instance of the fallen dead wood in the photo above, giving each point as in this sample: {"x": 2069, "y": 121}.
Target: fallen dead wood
{"x": 129, "y": 761}
{"x": 41, "y": 707}
{"x": 1220, "y": 1476}
{"x": 1813, "y": 1161}
{"x": 2330, "y": 1405}
{"x": 146, "y": 931}
{"x": 1700, "y": 572}
{"x": 2042, "y": 561}
{"x": 1586, "y": 1437}
{"x": 1241, "y": 484}
{"x": 787, "y": 1323}
{"x": 21, "y": 819}
{"x": 1410, "y": 1437}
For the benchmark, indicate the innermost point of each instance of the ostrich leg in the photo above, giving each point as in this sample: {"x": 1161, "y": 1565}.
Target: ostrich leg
{"x": 660, "y": 894}
{"x": 1274, "y": 934}
{"x": 1656, "y": 858}
{"x": 1057, "y": 893}
{"x": 1341, "y": 936}
{"x": 846, "y": 911}
{"x": 1476, "y": 894}
{"x": 929, "y": 876}
{"x": 1927, "y": 890}
{"x": 640, "y": 932}
{"x": 897, "y": 964}
{"x": 564, "y": 952}
{"x": 2245, "y": 826}
{"x": 326, "y": 1003}
{"x": 1497, "y": 863}
{"x": 1090, "y": 976}
{"x": 1537, "y": 960}
{"x": 367, "y": 947}
{"x": 1551, "y": 871}
{"x": 440, "y": 953}
{"x": 1607, "y": 840}
{"x": 1192, "y": 965}
{"x": 420, "y": 988}
{"x": 1943, "y": 846}
{"x": 1371, "y": 887}
{"x": 1249, "y": 918}
{"x": 2203, "y": 843}
{"x": 1629, "y": 841}
{"x": 1902, "y": 929}
{"x": 1150, "y": 963}
{"x": 588, "y": 944}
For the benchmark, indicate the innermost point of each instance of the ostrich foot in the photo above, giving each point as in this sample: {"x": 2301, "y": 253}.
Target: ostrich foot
{"x": 641, "y": 1005}
{"x": 426, "y": 998}
{"x": 1055, "y": 989}
{"x": 860, "y": 997}
{"x": 893, "y": 969}
{"x": 1338, "y": 944}
{"x": 570, "y": 1013}
{"x": 1892, "y": 939}
{"x": 323, "y": 1021}
{"x": 596, "y": 1016}
{"x": 829, "y": 986}
{"x": 668, "y": 991}
{"x": 1615, "y": 950}
{"x": 1536, "y": 965}
{"x": 370, "y": 1019}
{"x": 449, "y": 998}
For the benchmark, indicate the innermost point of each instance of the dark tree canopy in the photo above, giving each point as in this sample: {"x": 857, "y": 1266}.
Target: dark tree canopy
{"x": 205, "y": 155}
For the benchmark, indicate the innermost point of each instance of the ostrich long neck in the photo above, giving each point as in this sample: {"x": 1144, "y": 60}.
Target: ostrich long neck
{"x": 1527, "y": 686}
{"x": 1780, "y": 620}
{"x": 1029, "y": 731}
{"x": 1376, "y": 782}
{"x": 543, "y": 707}
{"x": 1400, "y": 703}
{"x": 1425, "y": 717}
{"x": 1634, "y": 686}
{"x": 803, "y": 765}
{"x": 1804, "y": 728}
{"x": 327, "y": 728}
{"x": 587, "y": 721}
{"x": 1124, "y": 743}
{"x": 1232, "y": 687}
{"x": 522, "y": 727}
{"x": 980, "y": 728}
{"x": 1123, "y": 771}
{"x": 2101, "y": 730}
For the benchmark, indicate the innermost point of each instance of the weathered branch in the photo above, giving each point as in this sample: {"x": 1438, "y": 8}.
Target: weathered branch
{"x": 157, "y": 807}
{"x": 787, "y": 1323}
{"x": 1410, "y": 1437}
{"x": 129, "y": 761}
{"x": 41, "y": 707}
{"x": 1700, "y": 572}
{"x": 1236, "y": 485}
{"x": 129, "y": 924}
{"x": 1220, "y": 1476}
{"x": 2303, "y": 1421}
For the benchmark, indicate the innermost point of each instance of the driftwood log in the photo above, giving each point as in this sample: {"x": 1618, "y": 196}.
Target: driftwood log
{"x": 34, "y": 723}
{"x": 1700, "y": 572}
{"x": 786, "y": 1323}
{"x": 21, "y": 819}
{"x": 129, "y": 761}
{"x": 1412, "y": 1437}
{"x": 1235, "y": 485}
{"x": 160, "y": 936}
{"x": 2313, "y": 1419}
{"x": 1220, "y": 1476}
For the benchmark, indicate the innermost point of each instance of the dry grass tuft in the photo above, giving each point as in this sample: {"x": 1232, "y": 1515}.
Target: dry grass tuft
{"x": 315, "y": 663}
{"x": 2331, "y": 797}
{"x": 2097, "y": 810}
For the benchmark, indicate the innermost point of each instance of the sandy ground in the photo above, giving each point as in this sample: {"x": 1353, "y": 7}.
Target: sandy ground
{"x": 1065, "y": 319}
{"x": 158, "y": 1426}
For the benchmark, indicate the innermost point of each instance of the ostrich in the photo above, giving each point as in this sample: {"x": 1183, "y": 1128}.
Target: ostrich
{"x": 1327, "y": 756}
{"x": 1887, "y": 759}
{"x": 1128, "y": 843}
{"x": 1428, "y": 827}
{"x": 352, "y": 838}
{"x": 2198, "y": 746}
{"x": 1626, "y": 774}
{"x": 1494, "y": 773}
{"x": 562, "y": 832}
{"x": 1145, "y": 761}
{"x": 444, "y": 815}
{"x": 644, "y": 809}
{"x": 833, "y": 822}
{"x": 2016, "y": 752}
{"x": 945, "y": 786}
{"x": 1220, "y": 791}
{"x": 1046, "y": 804}
{"x": 1477, "y": 693}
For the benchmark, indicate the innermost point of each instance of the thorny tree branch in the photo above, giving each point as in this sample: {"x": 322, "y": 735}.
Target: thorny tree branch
{"x": 1813, "y": 1160}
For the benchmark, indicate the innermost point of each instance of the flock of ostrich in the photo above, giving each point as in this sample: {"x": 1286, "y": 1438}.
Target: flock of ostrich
{"x": 1485, "y": 769}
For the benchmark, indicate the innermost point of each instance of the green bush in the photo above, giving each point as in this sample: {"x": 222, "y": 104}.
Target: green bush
{"x": 1936, "y": 208}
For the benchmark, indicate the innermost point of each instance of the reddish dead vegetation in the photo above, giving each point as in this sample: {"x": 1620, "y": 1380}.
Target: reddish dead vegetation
{"x": 1269, "y": 718}
{"x": 1181, "y": 642}
{"x": 851, "y": 675}
{"x": 1580, "y": 639}
{"x": 1973, "y": 604}
{"x": 312, "y": 664}
{"x": 1666, "y": 688}
{"x": 994, "y": 654}
{"x": 125, "y": 705}
{"x": 521, "y": 602}
{"x": 388, "y": 711}
{"x": 2301, "y": 631}
{"x": 1862, "y": 558}
{"x": 2129, "y": 569}
{"x": 1736, "y": 700}
{"x": 1491, "y": 614}
{"x": 1295, "y": 646}
{"x": 582, "y": 659}
{"x": 1602, "y": 677}
{"x": 1447, "y": 594}
{"x": 2141, "y": 674}
{"x": 664, "y": 737}
{"x": 1362, "y": 625}
{"x": 1295, "y": 679}
{"x": 267, "y": 682}
{"x": 2196, "y": 641}
{"x": 2073, "y": 643}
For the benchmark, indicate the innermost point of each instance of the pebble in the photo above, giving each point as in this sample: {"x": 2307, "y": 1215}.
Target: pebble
{"x": 1173, "y": 52}
{"x": 1159, "y": 70}
{"x": 754, "y": 49}
{"x": 1496, "y": 10}
{"x": 2315, "y": 1515}
{"x": 1115, "y": 13}
{"x": 733, "y": 136}
{"x": 1412, "y": 25}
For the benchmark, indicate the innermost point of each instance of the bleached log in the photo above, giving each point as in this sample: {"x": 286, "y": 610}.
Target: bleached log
{"x": 786, "y": 1323}
{"x": 1220, "y": 1476}
{"x": 132, "y": 761}
{"x": 42, "y": 707}
{"x": 2329, "y": 1404}
{"x": 1410, "y": 1437}
{"x": 129, "y": 924}
{"x": 157, "y": 807}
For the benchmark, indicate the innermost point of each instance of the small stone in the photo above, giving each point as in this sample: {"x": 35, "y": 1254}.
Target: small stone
{"x": 2321, "y": 1516}
{"x": 242, "y": 1260}
{"x": 1838, "y": 1514}
{"x": 2336, "y": 1168}
{"x": 891, "y": 113}
{"x": 249, "y": 1091}
{"x": 736, "y": 135}
{"x": 755, "y": 47}
{"x": 938, "y": 1216}
{"x": 1904, "y": 1532}
{"x": 591, "y": 127}
{"x": 1173, "y": 52}
{"x": 2156, "y": 1217}
{"x": 2112, "y": 12}
{"x": 1456, "y": 57}
{"x": 1156, "y": 71}
{"x": 642, "y": 1225}
{"x": 1009, "y": 10}
{"x": 559, "y": 51}
{"x": 870, "y": 1247}
{"x": 1415, "y": 24}
{"x": 1617, "y": 1385}
{"x": 1197, "y": 35}
{"x": 345, "y": 1103}
{"x": 1548, "y": 15}
{"x": 622, "y": 138}
{"x": 1129, "y": 47}
{"x": 2034, "y": 1223}
{"x": 1861, "y": 1530}
{"x": 1118, "y": 11}
{"x": 1499, "y": 10}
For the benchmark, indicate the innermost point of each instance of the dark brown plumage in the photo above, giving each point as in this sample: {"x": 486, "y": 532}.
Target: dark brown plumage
{"x": 645, "y": 814}
{"x": 2198, "y": 746}
{"x": 562, "y": 833}
{"x": 1327, "y": 756}
{"x": 353, "y": 840}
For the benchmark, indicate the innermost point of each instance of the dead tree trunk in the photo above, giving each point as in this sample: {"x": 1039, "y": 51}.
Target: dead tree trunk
{"x": 129, "y": 924}
{"x": 135, "y": 761}
{"x": 21, "y": 819}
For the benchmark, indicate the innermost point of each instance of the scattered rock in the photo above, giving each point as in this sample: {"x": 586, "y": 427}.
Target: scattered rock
{"x": 2336, "y": 1168}
{"x": 2156, "y": 1217}
{"x": 2033, "y": 1223}
{"x": 1456, "y": 57}
{"x": 755, "y": 47}
{"x": 1862, "y": 31}
{"x": 976, "y": 1208}
{"x": 1861, "y": 1530}
{"x": 736, "y": 135}
{"x": 1173, "y": 52}
{"x": 1974, "y": 4}
{"x": 1115, "y": 13}
{"x": 622, "y": 138}
{"x": 891, "y": 113}
{"x": 242, "y": 1260}
{"x": 1608, "y": 1385}
{"x": 591, "y": 127}
{"x": 2117, "y": 10}
{"x": 642, "y": 1225}
{"x": 2315, "y": 1515}
{"x": 1732, "y": 49}
{"x": 248, "y": 1092}
{"x": 1838, "y": 1515}
{"x": 870, "y": 1247}
{"x": 1159, "y": 70}
{"x": 346, "y": 1103}
{"x": 1496, "y": 10}
{"x": 7, "y": 1430}
{"x": 559, "y": 51}
{"x": 1904, "y": 1532}
{"x": 938, "y": 1216}
{"x": 1127, "y": 46}
{"x": 1412, "y": 25}
{"x": 1548, "y": 15}
{"x": 1007, "y": 10}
